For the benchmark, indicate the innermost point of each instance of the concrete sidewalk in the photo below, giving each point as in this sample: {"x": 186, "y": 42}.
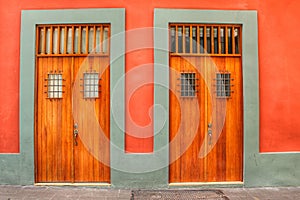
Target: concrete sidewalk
{"x": 67, "y": 192}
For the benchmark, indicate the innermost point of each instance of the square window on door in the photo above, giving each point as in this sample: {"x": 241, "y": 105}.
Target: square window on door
{"x": 55, "y": 85}
{"x": 223, "y": 85}
{"x": 187, "y": 84}
{"x": 91, "y": 85}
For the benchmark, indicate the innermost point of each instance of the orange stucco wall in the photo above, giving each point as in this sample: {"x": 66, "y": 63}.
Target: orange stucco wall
{"x": 278, "y": 66}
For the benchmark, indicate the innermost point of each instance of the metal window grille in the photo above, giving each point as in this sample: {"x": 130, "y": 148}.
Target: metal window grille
{"x": 91, "y": 85}
{"x": 55, "y": 85}
{"x": 223, "y": 85}
{"x": 199, "y": 39}
{"x": 188, "y": 84}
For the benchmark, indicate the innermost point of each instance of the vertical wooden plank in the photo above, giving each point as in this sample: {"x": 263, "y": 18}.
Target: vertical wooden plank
{"x": 211, "y": 158}
{"x": 49, "y": 130}
{"x": 191, "y": 39}
{"x": 198, "y": 39}
{"x": 36, "y": 131}
{"x": 101, "y": 39}
{"x": 76, "y": 158}
{"x": 176, "y": 39}
{"x": 205, "y": 40}
{"x": 51, "y": 40}
{"x": 94, "y": 39}
{"x": 212, "y": 37}
{"x": 37, "y": 44}
{"x": 92, "y": 134}
{"x": 39, "y": 124}
{"x": 97, "y": 172}
{"x": 230, "y": 129}
{"x": 108, "y": 41}
{"x": 73, "y": 40}
{"x": 107, "y": 122}
{"x": 59, "y": 130}
{"x": 226, "y": 39}
{"x": 233, "y": 39}
{"x": 37, "y": 159}
{"x": 87, "y": 39}
{"x": 231, "y": 141}
{"x": 65, "y": 39}
{"x": 205, "y": 123}
{"x": 189, "y": 159}
{"x": 104, "y": 111}
{"x": 54, "y": 126}
{"x": 79, "y": 40}
{"x": 235, "y": 136}
{"x": 44, "y": 41}
{"x": 219, "y": 40}
{"x": 240, "y": 128}
{"x": 42, "y": 119}
{"x": 71, "y": 141}
{"x": 183, "y": 39}
{"x": 240, "y": 40}
{"x": 99, "y": 153}
{"x": 175, "y": 164}
{"x": 219, "y": 127}
{"x": 58, "y": 39}
{"x": 83, "y": 151}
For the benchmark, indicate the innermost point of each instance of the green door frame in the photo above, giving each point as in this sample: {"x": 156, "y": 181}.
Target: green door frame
{"x": 260, "y": 169}
{"x": 19, "y": 168}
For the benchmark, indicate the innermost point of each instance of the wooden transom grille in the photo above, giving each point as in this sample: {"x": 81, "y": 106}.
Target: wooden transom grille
{"x": 70, "y": 40}
{"x": 204, "y": 39}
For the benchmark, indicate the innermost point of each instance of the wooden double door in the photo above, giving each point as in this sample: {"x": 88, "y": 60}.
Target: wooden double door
{"x": 206, "y": 105}
{"x": 72, "y": 107}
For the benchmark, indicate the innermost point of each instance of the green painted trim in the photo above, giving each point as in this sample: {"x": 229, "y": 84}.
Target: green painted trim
{"x": 259, "y": 169}
{"x": 147, "y": 170}
{"x": 19, "y": 168}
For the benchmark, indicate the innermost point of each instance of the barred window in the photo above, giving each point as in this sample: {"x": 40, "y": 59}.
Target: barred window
{"x": 91, "y": 85}
{"x": 223, "y": 85}
{"x": 205, "y": 39}
{"x": 55, "y": 85}
{"x": 187, "y": 84}
{"x": 73, "y": 39}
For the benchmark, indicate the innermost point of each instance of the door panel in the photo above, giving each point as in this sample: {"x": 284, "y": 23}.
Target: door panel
{"x": 91, "y": 154}
{"x": 54, "y": 140}
{"x": 184, "y": 130}
{"x": 223, "y": 150}
{"x": 206, "y": 129}
{"x": 71, "y": 62}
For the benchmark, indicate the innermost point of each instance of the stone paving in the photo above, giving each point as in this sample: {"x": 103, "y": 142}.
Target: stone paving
{"x": 85, "y": 193}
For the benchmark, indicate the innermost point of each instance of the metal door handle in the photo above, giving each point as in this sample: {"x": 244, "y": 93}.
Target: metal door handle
{"x": 209, "y": 132}
{"x": 75, "y": 134}
{"x": 210, "y": 135}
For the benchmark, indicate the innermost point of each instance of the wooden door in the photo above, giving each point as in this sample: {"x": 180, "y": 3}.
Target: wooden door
{"x": 72, "y": 104}
{"x": 206, "y": 108}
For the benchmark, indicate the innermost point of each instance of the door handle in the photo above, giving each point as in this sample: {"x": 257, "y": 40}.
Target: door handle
{"x": 209, "y": 132}
{"x": 75, "y": 134}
